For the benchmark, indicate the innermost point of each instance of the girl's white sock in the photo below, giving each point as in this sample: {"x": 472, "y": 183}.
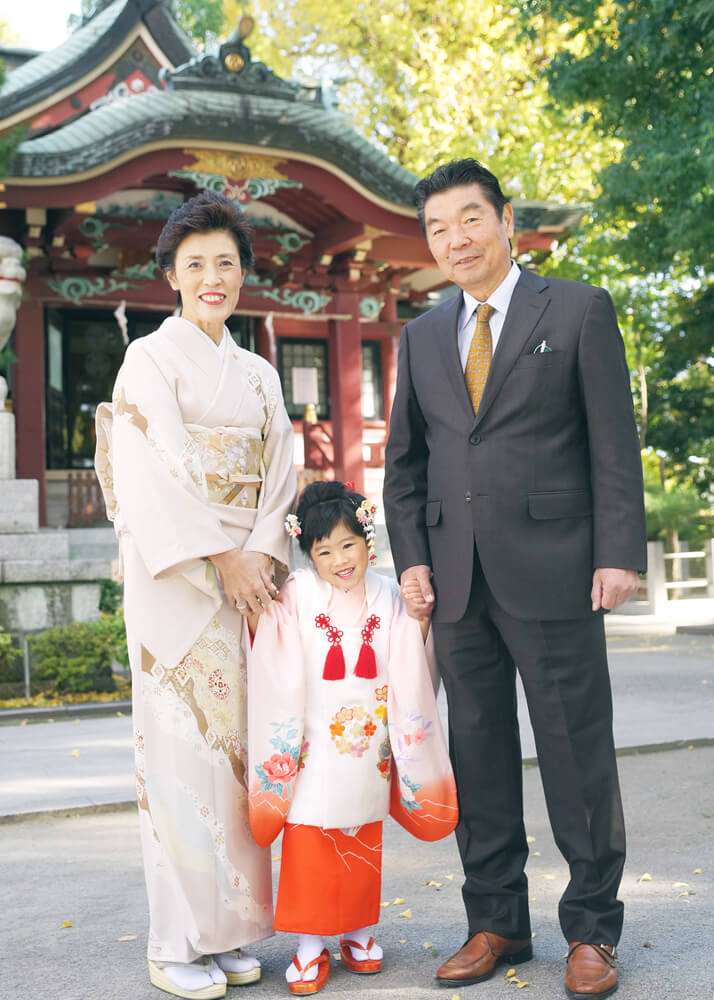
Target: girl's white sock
{"x": 309, "y": 947}
{"x": 362, "y": 936}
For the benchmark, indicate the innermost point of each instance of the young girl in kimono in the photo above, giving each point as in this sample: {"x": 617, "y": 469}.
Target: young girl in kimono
{"x": 339, "y": 691}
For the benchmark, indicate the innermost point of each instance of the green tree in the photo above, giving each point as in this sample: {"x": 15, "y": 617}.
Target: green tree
{"x": 200, "y": 19}
{"x": 430, "y": 82}
{"x": 646, "y": 72}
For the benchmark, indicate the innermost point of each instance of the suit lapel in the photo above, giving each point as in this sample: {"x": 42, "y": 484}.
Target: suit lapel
{"x": 528, "y": 304}
{"x": 448, "y": 339}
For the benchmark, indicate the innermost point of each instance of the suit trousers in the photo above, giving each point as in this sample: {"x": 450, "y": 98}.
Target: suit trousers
{"x": 563, "y": 666}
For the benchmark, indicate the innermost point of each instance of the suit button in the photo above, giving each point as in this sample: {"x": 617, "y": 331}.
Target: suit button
{"x": 467, "y": 498}
{"x": 475, "y": 439}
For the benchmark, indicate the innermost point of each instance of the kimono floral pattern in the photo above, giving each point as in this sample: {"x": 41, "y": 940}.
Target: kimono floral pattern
{"x": 278, "y": 771}
{"x": 384, "y": 753}
{"x": 352, "y": 729}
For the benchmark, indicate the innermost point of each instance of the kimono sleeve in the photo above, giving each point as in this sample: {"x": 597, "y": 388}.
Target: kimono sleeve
{"x": 279, "y": 481}
{"x": 423, "y": 790}
{"x": 158, "y": 482}
{"x": 276, "y": 700}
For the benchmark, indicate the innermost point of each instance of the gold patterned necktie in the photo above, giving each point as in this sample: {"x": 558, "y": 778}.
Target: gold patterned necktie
{"x": 478, "y": 363}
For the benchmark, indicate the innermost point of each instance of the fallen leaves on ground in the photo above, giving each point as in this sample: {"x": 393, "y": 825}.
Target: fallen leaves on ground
{"x": 127, "y": 937}
{"x": 698, "y": 871}
{"x": 512, "y": 978}
{"x": 399, "y": 901}
{"x": 530, "y": 840}
{"x": 548, "y": 877}
{"x": 276, "y": 857}
{"x": 645, "y": 878}
{"x": 407, "y": 914}
{"x": 450, "y": 877}
{"x": 385, "y": 904}
{"x": 65, "y": 924}
{"x": 402, "y": 940}
{"x": 680, "y": 885}
{"x": 431, "y": 884}
{"x": 75, "y": 753}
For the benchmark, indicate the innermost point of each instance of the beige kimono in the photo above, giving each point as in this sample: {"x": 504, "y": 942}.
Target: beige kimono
{"x": 195, "y": 456}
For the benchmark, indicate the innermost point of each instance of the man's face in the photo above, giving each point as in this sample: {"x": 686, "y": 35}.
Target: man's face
{"x": 467, "y": 239}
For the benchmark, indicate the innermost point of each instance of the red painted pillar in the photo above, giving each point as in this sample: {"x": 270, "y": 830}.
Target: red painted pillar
{"x": 28, "y": 390}
{"x": 345, "y": 346}
{"x": 390, "y": 347}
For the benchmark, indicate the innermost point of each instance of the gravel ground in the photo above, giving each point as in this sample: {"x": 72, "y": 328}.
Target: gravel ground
{"x": 86, "y": 870}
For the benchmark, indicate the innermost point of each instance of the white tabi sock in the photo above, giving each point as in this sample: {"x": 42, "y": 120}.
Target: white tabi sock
{"x": 362, "y": 936}
{"x": 309, "y": 947}
{"x": 236, "y": 961}
{"x": 194, "y": 976}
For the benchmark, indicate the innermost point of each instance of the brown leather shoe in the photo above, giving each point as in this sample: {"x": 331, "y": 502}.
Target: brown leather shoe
{"x": 590, "y": 971}
{"x": 478, "y": 958}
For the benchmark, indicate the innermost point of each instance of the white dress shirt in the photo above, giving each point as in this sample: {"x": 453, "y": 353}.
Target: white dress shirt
{"x": 500, "y": 299}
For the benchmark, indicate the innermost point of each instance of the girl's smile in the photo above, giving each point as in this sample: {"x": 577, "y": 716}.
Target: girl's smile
{"x": 341, "y": 558}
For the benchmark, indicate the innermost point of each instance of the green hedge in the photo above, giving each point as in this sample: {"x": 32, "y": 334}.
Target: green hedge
{"x": 71, "y": 659}
{"x": 11, "y": 673}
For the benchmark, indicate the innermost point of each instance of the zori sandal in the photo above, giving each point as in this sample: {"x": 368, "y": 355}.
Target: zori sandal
{"x": 302, "y": 988}
{"x": 162, "y": 981}
{"x": 362, "y": 966}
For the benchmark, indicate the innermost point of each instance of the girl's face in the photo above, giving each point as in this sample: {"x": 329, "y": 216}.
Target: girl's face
{"x": 209, "y": 276}
{"x": 342, "y": 558}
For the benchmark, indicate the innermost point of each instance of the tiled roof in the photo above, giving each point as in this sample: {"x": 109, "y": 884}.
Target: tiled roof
{"x": 191, "y": 116}
{"x": 85, "y": 48}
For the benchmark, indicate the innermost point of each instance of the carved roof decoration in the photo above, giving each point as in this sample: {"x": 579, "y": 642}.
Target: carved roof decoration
{"x": 232, "y": 69}
{"x": 90, "y": 45}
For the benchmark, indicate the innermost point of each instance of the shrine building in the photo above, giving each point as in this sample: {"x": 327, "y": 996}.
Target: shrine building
{"x": 122, "y": 123}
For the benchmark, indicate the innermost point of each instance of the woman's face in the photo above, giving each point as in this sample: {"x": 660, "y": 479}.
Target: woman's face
{"x": 209, "y": 277}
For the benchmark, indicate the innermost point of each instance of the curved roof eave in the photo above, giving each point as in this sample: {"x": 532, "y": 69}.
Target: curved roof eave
{"x": 86, "y": 48}
{"x": 196, "y": 116}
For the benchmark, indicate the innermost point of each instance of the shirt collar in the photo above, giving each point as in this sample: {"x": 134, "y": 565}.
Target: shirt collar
{"x": 500, "y": 298}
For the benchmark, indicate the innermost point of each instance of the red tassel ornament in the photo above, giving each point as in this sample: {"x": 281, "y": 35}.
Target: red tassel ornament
{"x": 366, "y": 662}
{"x": 334, "y": 669}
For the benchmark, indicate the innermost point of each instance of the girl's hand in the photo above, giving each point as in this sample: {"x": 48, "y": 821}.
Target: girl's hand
{"x": 247, "y": 579}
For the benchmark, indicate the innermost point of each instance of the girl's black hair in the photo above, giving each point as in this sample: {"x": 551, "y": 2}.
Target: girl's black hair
{"x": 321, "y": 507}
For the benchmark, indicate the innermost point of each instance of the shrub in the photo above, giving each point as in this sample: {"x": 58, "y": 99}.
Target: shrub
{"x": 11, "y": 675}
{"x": 72, "y": 659}
{"x": 110, "y": 597}
{"x": 113, "y": 630}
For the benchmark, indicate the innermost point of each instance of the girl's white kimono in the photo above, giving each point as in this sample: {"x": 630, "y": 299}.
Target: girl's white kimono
{"x": 195, "y": 457}
{"x": 323, "y": 752}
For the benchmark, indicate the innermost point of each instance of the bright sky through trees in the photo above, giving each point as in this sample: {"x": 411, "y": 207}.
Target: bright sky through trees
{"x": 38, "y": 24}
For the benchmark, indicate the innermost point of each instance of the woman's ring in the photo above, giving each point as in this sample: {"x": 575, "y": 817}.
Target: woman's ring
{"x": 241, "y": 607}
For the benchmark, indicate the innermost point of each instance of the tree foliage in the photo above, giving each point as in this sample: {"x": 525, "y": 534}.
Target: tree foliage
{"x": 646, "y": 70}
{"x": 435, "y": 81}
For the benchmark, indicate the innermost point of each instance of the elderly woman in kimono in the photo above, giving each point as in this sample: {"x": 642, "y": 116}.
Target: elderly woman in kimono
{"x": 195, "y": 459}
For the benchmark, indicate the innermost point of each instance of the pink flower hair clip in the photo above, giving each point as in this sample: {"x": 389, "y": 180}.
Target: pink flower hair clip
{"x": 365, "y": 515}
{"x": 292, "y": 526}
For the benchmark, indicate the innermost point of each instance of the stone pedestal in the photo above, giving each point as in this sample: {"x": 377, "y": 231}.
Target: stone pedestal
{"x": 7, "y": 444}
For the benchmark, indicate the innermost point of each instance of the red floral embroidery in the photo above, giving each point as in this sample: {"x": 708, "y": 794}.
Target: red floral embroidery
{"x": 369, "y": 729}
{"x": 280, "y": 768}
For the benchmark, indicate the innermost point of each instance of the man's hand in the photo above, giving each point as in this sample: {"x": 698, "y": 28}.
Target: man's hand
{"x": 613, "y": 586}
{"x": 416, "y": 591}
{"x": 247, "y": 579}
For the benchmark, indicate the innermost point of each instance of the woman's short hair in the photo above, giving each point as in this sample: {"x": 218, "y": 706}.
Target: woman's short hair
{"x": 204, "y": 213}
{"x": 322, "y": 507}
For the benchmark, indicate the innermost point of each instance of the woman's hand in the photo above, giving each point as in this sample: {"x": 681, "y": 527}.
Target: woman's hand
{"x": 247, "y": 579}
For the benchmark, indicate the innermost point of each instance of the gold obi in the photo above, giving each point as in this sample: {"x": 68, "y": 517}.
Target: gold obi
{"x": 231, "y": 458}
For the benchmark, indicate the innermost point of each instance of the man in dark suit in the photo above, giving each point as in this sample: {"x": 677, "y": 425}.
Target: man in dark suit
{"x": 514, "y": 485}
